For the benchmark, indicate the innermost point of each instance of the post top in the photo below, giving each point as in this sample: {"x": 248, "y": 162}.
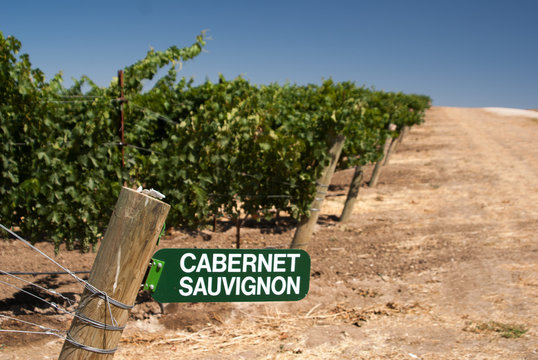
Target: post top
{"x": 146, "y": 193}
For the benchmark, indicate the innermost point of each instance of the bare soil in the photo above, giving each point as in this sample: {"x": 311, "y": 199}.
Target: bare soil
{"x": 439, "y": 261}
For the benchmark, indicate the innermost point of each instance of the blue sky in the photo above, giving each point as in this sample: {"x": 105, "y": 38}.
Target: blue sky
{"x": 461, "y": 53}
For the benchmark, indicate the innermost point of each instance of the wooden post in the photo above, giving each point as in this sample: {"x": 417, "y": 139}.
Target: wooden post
{"x": 405, "y": 131}
{"x": 238, "y": 223}
{"x": 400, "y": 138}
{"x": 306, "y": 224}
{"x": 397, "y": 142}
{"x": 118, "y": 270}
{"x": 392, "y": 148}
{"x": 379, "y": 164}
{"x": 352, "y": 194}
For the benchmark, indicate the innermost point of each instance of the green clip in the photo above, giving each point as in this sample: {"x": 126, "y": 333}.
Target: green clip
{"x": 155, "y": 270}
{"x": 161, "y": 234}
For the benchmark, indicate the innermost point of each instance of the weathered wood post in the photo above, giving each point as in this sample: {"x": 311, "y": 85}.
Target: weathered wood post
{"x": 378, "y": 165}
{"x": 118, "y": 271}
{"x": 399, "y": 139}
{"x": 306, "y": 224}
{"x": 238, "y": 223}
{"x": 405, "y": 131}
{"x": 352, "y": 194}
{"x": 392, "y": 148}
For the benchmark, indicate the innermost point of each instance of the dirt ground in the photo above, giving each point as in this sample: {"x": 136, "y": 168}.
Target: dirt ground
{"x": 439, "y": 261}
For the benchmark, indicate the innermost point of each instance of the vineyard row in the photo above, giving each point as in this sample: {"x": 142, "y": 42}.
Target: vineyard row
{"x": 229, "y": 148}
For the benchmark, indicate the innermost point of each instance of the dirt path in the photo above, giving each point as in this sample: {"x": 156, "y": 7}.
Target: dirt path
{"x": 440, "y": 261}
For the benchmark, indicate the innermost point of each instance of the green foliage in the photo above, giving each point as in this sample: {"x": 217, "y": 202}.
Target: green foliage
{"x": 367, "y": 133}
{"x": 60, "y": 172}
{"x": 229, "y": 147}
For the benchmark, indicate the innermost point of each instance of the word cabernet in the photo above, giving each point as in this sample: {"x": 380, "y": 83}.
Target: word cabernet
{"x": 207, "y": 275}
{"x": 238, "y": 262}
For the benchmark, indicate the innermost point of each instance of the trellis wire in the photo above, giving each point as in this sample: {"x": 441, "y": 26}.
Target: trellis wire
{"x": 89, "y": 287}
{"x": 156, "y": 114}
{"x": 57, "y": 333}
{"x": 94, "y": 323}
{"x": 27, "y": 243}
{"x": 49, "y": 331}
{"x": 38, "y": 286}
{"x": 133, "y": 146}
{"x": 37, "y": 273}
{"x": 54, "y": 305}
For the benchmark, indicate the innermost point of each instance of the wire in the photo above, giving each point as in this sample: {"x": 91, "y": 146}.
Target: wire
{"x": 43, "y": 254}
{"x": 33, "y": 332}
{"x": 68, "y": 101}
{"x": 133, "y": 146}
{"x": 75, "y": 343}
{"x": 142, "y": 149}
{"x": 54, "y": 305}
{"x": 89, "y": 286}
{"x": 158, "y": 115}
{"x": 57, "y": 333}
{"x": 254, "y": 196}
{"x": 38, "y": 286}
{"x": 82, "y": 96}
{"x": 42, "y": 272}
{"x": 49, "y": 330}
{"x": 273, "y": 181}
{"x": 77, "y": 98}
{"x": 94, "y": 323}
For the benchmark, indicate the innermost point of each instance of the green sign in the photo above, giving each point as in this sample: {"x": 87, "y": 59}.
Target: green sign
{"x": 227, "y": 275}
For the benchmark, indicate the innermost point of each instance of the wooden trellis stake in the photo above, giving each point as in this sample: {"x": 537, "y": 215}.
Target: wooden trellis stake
{"x": 118, "y": 270}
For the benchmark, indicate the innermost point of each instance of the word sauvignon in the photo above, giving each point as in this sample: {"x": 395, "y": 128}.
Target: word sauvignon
{"x": 236, "y": 285}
